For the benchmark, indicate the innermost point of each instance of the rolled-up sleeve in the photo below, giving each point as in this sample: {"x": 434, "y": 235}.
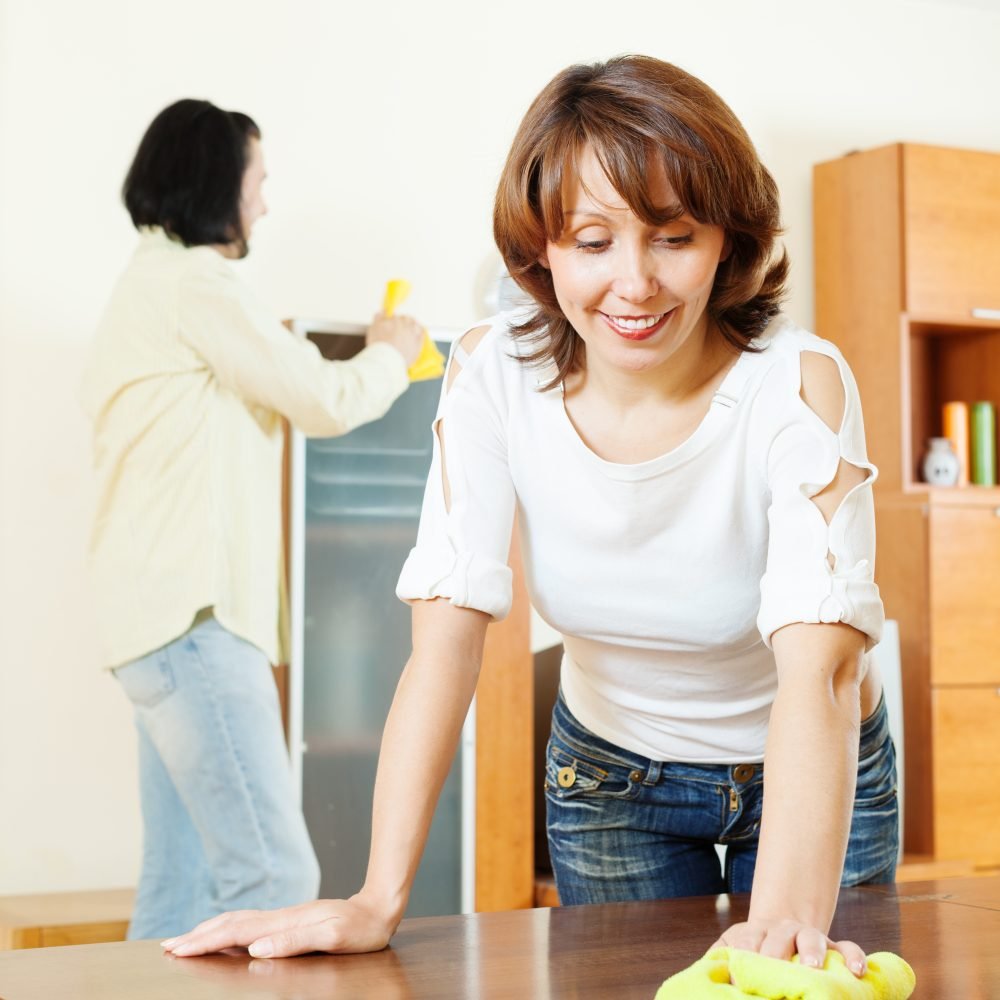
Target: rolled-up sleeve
{"x": 253, "y": 355}
{"x": 800, "y": 584}
{"x": 463, "y": 542}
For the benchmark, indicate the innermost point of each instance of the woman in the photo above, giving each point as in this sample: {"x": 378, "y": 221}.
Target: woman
{"x": 695, "y": 509}
{"x": 187, "y": 384}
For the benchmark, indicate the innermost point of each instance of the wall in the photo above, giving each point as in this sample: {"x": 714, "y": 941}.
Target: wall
{"x": 385, "y": 126}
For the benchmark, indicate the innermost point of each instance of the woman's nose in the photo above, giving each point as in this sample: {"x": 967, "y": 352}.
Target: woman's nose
{"x": 636, "y": 279}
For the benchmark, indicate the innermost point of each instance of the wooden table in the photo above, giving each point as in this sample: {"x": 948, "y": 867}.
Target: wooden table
{"x": 947, "y": 927}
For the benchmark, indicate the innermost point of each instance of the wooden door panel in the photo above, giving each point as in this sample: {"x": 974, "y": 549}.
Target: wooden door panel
{"x": 951, "y": 219}
{"x": 966, "y": 790}
{"x": 964, "y": 607}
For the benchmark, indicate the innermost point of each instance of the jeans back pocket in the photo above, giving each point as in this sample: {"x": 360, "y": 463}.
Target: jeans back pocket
{"x": 147, "y": 681}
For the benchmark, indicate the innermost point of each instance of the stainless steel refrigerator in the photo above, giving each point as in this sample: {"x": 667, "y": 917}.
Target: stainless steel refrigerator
{"x": 355, "y": 505}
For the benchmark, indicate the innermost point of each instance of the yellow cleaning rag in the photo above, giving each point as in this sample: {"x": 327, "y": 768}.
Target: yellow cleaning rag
{"x": 888, "y": 978}
{"x": 430, "y": 361}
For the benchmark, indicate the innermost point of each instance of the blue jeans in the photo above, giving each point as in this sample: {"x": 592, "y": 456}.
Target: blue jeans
{"x": 623, "y": 827}
{"x": 222, "y": 830}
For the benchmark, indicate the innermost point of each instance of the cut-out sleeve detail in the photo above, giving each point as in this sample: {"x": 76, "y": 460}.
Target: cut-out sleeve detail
{"x": 463, "y": 544}
{"x": 818, "y": 571}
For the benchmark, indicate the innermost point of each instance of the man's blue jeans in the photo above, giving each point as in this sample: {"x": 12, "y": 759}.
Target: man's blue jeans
{"x": 622, "y": 827}
{"x": 222, "y": 830}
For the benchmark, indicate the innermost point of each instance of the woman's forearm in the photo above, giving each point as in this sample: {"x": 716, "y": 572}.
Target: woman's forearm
{"x": 810, "y": 773}
{"x": 809, "y": 782}
{"x": 418, "y": 746}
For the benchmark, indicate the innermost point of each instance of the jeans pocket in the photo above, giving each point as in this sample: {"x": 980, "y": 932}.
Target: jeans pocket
{"x": 570, "y": 774}
{"x": 147, "y": 681}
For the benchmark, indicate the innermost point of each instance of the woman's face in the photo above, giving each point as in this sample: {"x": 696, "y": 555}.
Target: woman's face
{"x": 635, "y": 293}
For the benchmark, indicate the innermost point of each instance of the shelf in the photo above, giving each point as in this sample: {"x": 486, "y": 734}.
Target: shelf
{"x": 955, "y": 496}
{"x": 943, "y": 361}
{"x": 945, "y": 326}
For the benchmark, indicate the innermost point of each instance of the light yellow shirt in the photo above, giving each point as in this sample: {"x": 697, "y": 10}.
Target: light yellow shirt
{"x": 186, "y": 385}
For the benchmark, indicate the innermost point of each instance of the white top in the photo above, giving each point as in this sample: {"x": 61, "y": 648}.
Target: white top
{"x": 667, "y": 578}
{"x": 186, "y": 384}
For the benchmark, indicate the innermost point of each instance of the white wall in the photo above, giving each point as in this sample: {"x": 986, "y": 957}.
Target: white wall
{"x": 385, "y": 125}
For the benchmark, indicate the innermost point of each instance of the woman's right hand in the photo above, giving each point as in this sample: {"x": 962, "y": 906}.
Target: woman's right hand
{"x": 402, "y": 332}
{"x": 334, "y": 925}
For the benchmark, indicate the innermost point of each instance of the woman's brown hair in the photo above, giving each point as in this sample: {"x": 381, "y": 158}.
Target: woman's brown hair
{"x": 630, "y": 111}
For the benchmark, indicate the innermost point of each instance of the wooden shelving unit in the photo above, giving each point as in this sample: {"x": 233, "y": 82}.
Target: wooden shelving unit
{"x": 908, "y": 285}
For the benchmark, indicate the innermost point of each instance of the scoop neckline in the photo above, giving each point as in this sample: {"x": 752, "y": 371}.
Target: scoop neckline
{"x": 708, "y": 427}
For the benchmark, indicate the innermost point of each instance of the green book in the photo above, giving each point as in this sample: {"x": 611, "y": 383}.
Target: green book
{"x": 983, "y": 445}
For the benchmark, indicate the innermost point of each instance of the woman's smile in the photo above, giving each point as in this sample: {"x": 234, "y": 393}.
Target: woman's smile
{"x": 637, "y": 327}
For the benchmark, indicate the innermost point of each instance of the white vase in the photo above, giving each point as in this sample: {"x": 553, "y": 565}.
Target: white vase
{"x": 941, "y": 465}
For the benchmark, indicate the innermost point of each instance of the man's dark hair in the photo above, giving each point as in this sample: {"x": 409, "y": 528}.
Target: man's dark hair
{"x": 187, "y": 174}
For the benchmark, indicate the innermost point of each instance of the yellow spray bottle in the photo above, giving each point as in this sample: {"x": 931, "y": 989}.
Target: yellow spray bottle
{"x": 430, "y": 361}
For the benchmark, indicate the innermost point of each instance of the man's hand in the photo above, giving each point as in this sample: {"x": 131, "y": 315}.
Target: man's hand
{"x": 402, "y": 332}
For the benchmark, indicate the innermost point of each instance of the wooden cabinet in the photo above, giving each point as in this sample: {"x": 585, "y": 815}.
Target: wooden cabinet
{"x": 966, "y": 725}
{"x": 951, "y": 219}
{"x": 964, "y": 579}
{"x": 908, "y": 285}
{"x": 938, "y": 568}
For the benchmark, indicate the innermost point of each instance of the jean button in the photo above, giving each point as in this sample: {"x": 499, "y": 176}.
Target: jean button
{"x": 566, "y": 777}
{"x": 743, "y": 772}
{"x": 635, "y": 776}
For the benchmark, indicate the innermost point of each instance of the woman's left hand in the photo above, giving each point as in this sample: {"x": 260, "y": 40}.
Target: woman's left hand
{"x": 785, "y": 938}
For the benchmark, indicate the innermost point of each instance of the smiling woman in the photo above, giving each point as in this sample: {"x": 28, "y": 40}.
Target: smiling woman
{"x": 689, "y": 474}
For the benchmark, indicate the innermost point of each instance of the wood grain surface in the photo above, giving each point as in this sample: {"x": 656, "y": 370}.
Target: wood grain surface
{"x": 947, "y": 929}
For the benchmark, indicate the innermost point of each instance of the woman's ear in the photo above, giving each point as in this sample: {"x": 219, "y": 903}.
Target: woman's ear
{"x": 544, "y": 261}
{"x": 727, "y": 249}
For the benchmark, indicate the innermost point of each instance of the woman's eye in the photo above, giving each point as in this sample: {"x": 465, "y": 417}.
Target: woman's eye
{"x": 591, "y": 246}
{"x": 677, "y": 241}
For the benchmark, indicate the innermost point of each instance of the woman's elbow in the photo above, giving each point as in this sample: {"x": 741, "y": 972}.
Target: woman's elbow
{"x": 829, "y": 656}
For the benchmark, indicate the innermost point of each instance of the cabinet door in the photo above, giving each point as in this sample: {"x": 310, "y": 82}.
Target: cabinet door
{"x": 966, "y": 791}
{"x": 951, "y": 203}
{"x": 965, "y": 594}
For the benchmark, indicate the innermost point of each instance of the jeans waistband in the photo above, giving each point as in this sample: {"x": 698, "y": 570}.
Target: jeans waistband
{"x": 873, "y": 735}
{"x": 567, "y": 727}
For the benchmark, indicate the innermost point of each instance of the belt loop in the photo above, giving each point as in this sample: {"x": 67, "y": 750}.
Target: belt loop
{"x": 653, "y": 774}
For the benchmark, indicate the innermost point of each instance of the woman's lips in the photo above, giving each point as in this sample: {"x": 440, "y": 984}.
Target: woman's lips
{"x": 640, "y": 333}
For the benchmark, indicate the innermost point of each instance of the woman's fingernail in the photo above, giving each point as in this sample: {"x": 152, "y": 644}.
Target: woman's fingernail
{"x": 181, "y": 950}
{"x": 169, "y": 943}
{"x": 813, "y": 961}
{"x": 264, "y": 948}
{"x": 858, "y": 968}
